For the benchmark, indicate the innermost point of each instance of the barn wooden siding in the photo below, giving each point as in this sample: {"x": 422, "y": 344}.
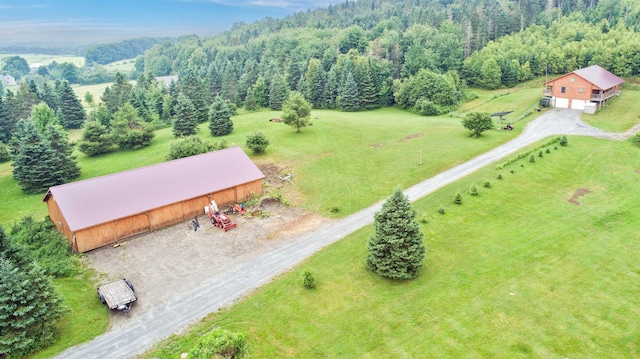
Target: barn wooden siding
{"x": 110, "y": 232}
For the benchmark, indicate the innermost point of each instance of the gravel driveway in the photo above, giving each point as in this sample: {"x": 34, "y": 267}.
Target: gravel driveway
{"x": 222, "y": 289}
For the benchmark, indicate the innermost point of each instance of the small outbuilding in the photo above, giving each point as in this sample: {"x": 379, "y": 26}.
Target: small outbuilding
{"x": 584, "y": 88}
{"x": 102, "y": 210}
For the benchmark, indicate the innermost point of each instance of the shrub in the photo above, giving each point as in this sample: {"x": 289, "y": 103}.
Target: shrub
{"x": 252, "y": 200}
{"x": 308, "y": 280}
{"x": 563, "y": 141}
{"x": 4, "y": 153}
{"x": 423, "y": 219}
{"x": 532, "y": 158}
{"x": 458, "y": 199}
{"x": 220, "y": 343}
{"x": 473, "y": 190}
{"x": 192, "y": 145}
{"x": 441, "y": 210}
{"x": 487, "y": 184}
{"x": 334, "y": 209}
{"x": 499, "y": 176}
{"x": 635, "y": 140}
{"x": 547, "y": 151}
{"x": 257, "y": 142}
{"x": 540, "y": 154}
{"x": 425, "y": 107}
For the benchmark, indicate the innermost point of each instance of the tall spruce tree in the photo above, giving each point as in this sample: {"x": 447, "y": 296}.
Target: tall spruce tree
{"x": 70, "y": 107}
{"x": 128, "y": 130}
{"x": 278, "y": 92}
{"x": 220, "y": 111}
{"x": 349, "y": 95}
{"x": 36, "y": 166}
{"x": 396, "y": 250}
{"x": 186, "y": 122}
{"x": 29, "y": 308}
{"x": 58, "y": 140}
{"x": 118, "y": 94}
{"x": 192, "y": 86}
{"x": 95, "y": 139}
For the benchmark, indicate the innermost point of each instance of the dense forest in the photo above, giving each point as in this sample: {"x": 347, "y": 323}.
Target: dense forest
{"x": 418, "y": 54}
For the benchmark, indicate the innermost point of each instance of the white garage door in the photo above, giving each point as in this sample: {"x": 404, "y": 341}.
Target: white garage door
{"x": 562, "y": 102}
{"x": 578, "y": 104}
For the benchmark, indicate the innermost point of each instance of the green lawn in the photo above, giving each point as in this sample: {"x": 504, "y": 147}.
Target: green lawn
{"x": 620, "y": 114}
{"x": 122, "y": 65}
{"x": 516, "y": 272}
{"x": 362, "y": 155}
{"x": 87, "y": 318}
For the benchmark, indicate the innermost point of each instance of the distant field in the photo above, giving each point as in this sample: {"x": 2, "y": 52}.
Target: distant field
{"x": 47, "y": 59}
{"x": 122, "y": 65}
{"x": 517, "y": 272}
{"x": 95, "y": 90}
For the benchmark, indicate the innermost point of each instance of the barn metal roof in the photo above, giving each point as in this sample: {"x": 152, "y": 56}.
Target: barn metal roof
{"x": 102, "y": 199}
{"x": 597, "y": 76}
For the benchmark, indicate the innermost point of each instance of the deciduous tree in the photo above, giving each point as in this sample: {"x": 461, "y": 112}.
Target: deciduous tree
{"x": 477, "y": 122}
{"x": 296, "y": 111}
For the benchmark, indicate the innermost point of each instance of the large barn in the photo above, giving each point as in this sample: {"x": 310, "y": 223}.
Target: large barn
{"x": 102, "y": 210}
{"x": 587, "y": 87}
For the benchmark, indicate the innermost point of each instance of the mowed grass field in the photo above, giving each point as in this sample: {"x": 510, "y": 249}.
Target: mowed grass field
{"x": 516, "y": 272}
{"x": 345, "y": 160}
{"x": 619, "y": 115}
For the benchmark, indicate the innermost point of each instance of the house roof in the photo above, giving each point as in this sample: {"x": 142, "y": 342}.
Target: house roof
{"x": 597, "y": 76}
{"x": 102, "y": 199}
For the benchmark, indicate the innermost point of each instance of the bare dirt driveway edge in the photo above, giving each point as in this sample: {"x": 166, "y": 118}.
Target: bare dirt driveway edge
{"x": 222, "y": 289}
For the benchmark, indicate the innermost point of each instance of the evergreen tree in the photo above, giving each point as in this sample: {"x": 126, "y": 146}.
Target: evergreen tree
{"x": 192, "y": 86}
{"x": 349, "y": 95}
{"x": 58, "y": 140}
{"x": 186, "y": 122}
{"x": 42, "y": 116}
{"x": 260, "y": 93}
{"x": 128, "y": 130}
{"x": 213, "y": 80}
{"x": 257, "y": 142}
{"x": 95, "y": 139}
{"x": 29, "y": 308}
{"x": 278, "y": 92}
{"x": 315, "y": 80}
{"x": 36, "y": 166}
{"x": 296, "y": 111}
{"x": 250, "y": 101}
{"x": 5, "y": 124}
{"x": 229, "y": 89}
{"x": 366, "y": 87}
{"x": 49, "y": 96}
{"x": 102, "y": 115}
{"x": 330, "y": 93}
{"x": 70, "y": 107}
{"x": 118, "y": 94}
{"x": 220, "y": 112}
{"x": 396, "y": 250}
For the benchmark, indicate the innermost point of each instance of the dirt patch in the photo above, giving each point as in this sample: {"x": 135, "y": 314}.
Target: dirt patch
{"x": 410, "y": 137}
{"x": 637, "y": 171}
{"x": 577, "y": 194}
{"x": 375, "y": 145}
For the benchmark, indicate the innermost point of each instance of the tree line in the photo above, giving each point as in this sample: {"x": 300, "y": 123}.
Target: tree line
{"x": 114, "y": 51}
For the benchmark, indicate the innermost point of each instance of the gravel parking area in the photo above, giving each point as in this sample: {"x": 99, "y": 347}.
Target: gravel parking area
{"x": 164, "y": 265}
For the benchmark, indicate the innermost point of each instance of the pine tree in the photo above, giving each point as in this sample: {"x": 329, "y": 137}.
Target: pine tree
{"x": 29, "y": 306}
{"x": 5, "y": 125}
{"x": 278, "y": 92}
{"x": 49, "y": 96}
{"x": 118, "y": 94}
{"x": 250, "y": 101}
{"x": 128, "y": 130}
{"x": 70, "y": 107}
{"x": 260, "y": 92}
{"x": 330, "y": 93}
{"x": 186, "y": 122}
{"x": 396, "y": 249}
{"x": 192, "y": 86}
{"x": 366, "y": 87}
{"x": 315, "y": 80}
{"x": 220, "y": 123}
{"x": 58, "y": 140}
{"x": 349, "y": 95}
{"x": 95, "y": 139}
{"x": 36, "y": 166}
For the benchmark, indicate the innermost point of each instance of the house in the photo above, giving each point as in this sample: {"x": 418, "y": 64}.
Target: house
{"x": 590, "y": 87}
{"x": 8, "y": 80}
{"x": 102, "y": 210}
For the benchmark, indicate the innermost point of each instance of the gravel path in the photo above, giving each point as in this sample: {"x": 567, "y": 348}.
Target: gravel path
{"x": 220, "y": 291}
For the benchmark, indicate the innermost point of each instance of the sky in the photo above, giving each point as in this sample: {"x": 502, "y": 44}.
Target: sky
{"x": 76, "y": 22}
